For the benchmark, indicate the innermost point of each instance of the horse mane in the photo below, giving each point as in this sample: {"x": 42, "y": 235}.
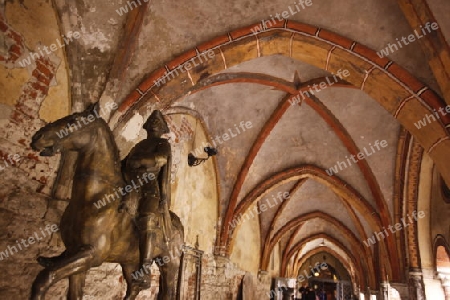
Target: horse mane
{"x": 111, "y": 136}
{"x": 92, "y": 110}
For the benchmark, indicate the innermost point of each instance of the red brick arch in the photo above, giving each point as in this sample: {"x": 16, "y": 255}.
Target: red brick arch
{"x": 339, "y": 226}
{"x": 340, "y": 187}
{"x": 442, "y": 252}
{"x": 400, "y": 93}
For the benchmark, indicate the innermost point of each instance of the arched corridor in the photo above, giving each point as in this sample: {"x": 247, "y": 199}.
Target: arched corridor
{"x": 331, "y": 174}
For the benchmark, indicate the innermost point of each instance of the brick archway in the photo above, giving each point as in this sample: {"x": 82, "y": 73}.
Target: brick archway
{"x": 353, "y": 263}
{"x": 357, "y": 278}
{"x": 400, "y": 93}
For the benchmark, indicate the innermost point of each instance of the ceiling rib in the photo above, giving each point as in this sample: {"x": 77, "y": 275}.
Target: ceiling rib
{"x": 278, "y": 113}
{"x": 298, "y": 247}
{"x": 280, "y": 209}
{"x": 225, "y": 78}
{"x": 285, "y": 251}
{"x": 359, "y": 276}
{"x": 370, "y": 178}
{"x": 351, "y": 238}
{"x": 291, "y": 88}
{"x": 337, "y": 185}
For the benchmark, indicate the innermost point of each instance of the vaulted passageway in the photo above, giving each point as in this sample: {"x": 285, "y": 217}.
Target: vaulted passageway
{"x": 331, "y": 163}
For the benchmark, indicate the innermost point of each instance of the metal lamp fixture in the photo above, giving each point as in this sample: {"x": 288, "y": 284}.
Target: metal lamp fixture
{"x": 195, "y": 161}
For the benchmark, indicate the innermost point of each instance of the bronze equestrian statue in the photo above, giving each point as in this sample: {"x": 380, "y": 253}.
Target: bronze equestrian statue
{"x": 94, "y": 233}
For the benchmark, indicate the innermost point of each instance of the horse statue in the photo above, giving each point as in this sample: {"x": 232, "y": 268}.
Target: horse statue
{"x": 93, "y": 233}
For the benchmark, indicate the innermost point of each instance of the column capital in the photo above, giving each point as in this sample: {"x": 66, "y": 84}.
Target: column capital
{"x": 444, "y": 277}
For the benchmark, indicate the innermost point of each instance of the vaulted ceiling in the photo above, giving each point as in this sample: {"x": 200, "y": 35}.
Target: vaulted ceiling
{"x": 289, "y": 147}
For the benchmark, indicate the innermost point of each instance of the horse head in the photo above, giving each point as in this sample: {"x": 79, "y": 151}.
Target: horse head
{"x": 72, "y": 132}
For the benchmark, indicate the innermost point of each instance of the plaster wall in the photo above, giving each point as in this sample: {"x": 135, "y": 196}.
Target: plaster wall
{"x": 246, "y": 251}
{"x": 194, "y": 189}
{"x": 275, "y": 262}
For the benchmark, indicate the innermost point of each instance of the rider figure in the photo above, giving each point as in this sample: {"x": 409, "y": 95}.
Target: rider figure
{"x": 151, "y": 158}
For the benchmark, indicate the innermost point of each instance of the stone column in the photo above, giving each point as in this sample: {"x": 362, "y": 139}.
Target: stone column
{"x": 416, "y": 288}
{"x": 384, "y": 291}
{"x": 369, "y": 293}
{"x": 356, "y": 290}
{"x": 445, "y": 279}
{"x": 398, "y": 290}
{"x": 220, "y": 251}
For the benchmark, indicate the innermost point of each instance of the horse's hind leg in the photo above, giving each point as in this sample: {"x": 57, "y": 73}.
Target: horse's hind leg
{"x": 49, "y": 262}
{"x": 71, "y": 265}
{"x": 133, "y": 289}
{"x": 76, "y": 284}
{"x": 169, "y": 280}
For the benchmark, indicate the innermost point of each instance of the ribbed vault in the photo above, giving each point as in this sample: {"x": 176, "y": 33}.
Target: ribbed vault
{"x": 398, "y": 92}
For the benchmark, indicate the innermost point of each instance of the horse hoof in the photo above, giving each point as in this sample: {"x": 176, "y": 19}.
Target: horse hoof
{"x": 142, "y": 284}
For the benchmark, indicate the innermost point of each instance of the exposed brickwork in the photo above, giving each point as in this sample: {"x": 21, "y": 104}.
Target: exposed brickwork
{"x": 435, "y": 46}
{"x": 367, "y": 55}
{"x": 24, "y": 120}
{"x": 223, "y": 280}
{"x": 181, "y": 133}
{"x": 14, "y": 44}
{"x": 414, "y": 160}
{"x": 24, "y": 201}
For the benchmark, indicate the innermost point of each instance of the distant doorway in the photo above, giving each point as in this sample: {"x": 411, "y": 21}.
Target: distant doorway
{"x": 329, "y": 289}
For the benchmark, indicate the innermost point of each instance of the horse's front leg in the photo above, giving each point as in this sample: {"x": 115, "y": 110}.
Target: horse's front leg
{"x": 76, "y": 284}
{"x": 168, "y": 287}
{"x": 80, "y": 262}
{"x": 133, "y": 288}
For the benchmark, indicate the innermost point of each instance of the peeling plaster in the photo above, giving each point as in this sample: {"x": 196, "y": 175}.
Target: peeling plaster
{"x": 132, "y": 128}
{"x": 95, "y": 39}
